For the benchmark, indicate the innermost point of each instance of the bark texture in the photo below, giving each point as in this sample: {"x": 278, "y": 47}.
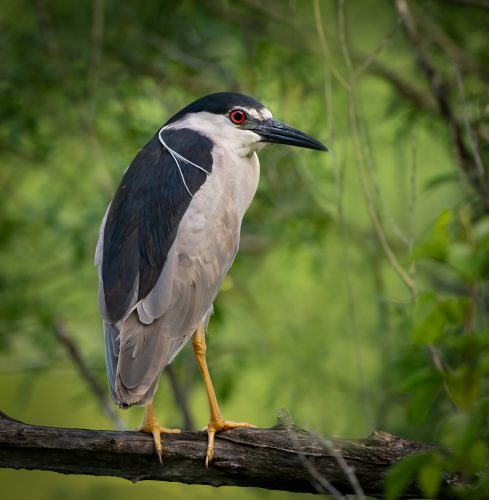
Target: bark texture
{"x": 284, "y": 457}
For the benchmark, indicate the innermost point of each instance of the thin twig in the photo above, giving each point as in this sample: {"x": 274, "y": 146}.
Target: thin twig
{"x": 461, "y": 154}
{"x": 371, "y": 209}
{"x": 98, "y": 22}
{"x": 364, "y": 133}
{"x": 343, "y": 42}
{"x": 418, "y": 97}
{"x": 344, "y": 236}
{"x": 97, "y": 37}
{"x": 356, "y": 138}
{"x": 375, "y": 54}
{"x": 100, "y": 395}
{"x": 369, "y": 162}
{"x": 438, "y": 364}
{"x": 46, "y": 25}
{"x": 412, "y": 206}
{"x": 443, "y": 40}
{"x": 320, "y": 483}
{"x": 180, "y": 398}
{"x": 325, "y": 46}
{"x": 468, "y": 129}
{"x": 347, "y": 469}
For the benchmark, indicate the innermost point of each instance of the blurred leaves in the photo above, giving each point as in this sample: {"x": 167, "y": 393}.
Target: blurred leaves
{"x": 455, "y": 390}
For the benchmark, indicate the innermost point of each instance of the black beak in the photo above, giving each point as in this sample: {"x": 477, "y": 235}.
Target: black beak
{"x": 275, "y": 131}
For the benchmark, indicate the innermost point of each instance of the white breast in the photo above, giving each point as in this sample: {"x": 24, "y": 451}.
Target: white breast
{"x": 217, "y": 209}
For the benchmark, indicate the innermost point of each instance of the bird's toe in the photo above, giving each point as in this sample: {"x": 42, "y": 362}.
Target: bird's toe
{"x": 218, "y": 426}
{"x": 156, "y": 430}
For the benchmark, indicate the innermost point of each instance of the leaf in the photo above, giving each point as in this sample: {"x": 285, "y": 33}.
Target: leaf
{"x": 463, "y": 386}
{"x": 428, "y": 331}
{"x": 461, "y": 257}
{"x": 439, "y": 180}
{"x": 454, "y": 309}
{"x": 419, "y": 378}
{"x": 429, "y": 479}
{"x": 481, "y": 230}
{"x": 421, "y": 403}
{"x": 402, "y": 475}
{"x": 477, "y": 456}
{"x": 432, "y": 314}
{"x": 428, "y": 323}
{"x": 455, "y": 432}
{"x": 437, "y": 240}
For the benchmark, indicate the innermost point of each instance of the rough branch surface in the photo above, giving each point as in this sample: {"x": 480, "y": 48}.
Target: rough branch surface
{"x": 266, "y": 458}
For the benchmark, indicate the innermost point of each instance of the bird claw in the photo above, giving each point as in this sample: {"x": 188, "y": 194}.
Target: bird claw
{"x": 222, "y": 425}
{"x": 156, "y": 430}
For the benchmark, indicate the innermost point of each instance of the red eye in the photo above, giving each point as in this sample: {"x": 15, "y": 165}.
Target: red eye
{"x": 237, "y": 116}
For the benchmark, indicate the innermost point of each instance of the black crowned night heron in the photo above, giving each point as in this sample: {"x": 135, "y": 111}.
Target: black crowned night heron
{"x": 169, "y": 237}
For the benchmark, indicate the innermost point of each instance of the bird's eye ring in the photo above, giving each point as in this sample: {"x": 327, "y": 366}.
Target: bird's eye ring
{"x": 237, "y": 116}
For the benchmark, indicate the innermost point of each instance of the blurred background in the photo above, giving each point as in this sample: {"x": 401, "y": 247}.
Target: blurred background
{"x": 359, "y": 298}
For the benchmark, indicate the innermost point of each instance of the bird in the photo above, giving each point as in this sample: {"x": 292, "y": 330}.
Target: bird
{"x": 168, "y": 238}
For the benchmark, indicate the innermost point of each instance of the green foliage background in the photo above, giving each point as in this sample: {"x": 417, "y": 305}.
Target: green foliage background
{"x": 313, "y": 315}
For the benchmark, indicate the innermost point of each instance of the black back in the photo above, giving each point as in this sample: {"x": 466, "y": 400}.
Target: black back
{"x": 145, "y": 213}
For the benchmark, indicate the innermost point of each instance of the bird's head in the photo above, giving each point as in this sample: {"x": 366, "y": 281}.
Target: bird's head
{"x": 239, "y": 123}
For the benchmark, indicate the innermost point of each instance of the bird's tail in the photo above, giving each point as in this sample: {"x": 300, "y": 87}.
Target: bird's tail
{"x": 145, "y": 350}
{"x": 111, "y": 334}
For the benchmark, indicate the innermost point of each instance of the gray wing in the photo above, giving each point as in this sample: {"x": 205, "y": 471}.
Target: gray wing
{"x": 162, "y": 323}
{"x": 140, "y": 346}
{"x": 111, "y": 337}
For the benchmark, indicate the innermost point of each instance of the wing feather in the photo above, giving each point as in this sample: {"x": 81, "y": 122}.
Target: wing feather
{"x": 162, "y": 257}
{"x": 199, "y": 268}
{"x": 142, "y": 221}
{"x": 111, "y": 335}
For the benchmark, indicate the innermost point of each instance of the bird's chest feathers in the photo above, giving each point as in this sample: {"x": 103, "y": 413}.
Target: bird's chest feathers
{"x": 237, "y": 177}
{"x": 215, "y": 213}
{"x": 226, "y": 193}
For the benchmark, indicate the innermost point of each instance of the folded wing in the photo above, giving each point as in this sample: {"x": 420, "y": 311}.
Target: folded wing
{"x": 149, "y": 296}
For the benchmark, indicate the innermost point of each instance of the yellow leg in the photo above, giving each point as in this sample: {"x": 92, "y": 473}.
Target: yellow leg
{"x": 151, "y": 426}
{"x": 216, "y": 422}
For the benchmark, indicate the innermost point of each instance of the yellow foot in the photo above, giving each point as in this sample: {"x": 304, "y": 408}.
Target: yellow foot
{"x": 155, "y": 429}
{"x": 222, "y": 425}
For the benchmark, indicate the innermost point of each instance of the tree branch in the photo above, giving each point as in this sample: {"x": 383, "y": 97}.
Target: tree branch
{"x": 420, "y": 99}
{"x": 441, "y": 96}
{"x": 266, "y": 458}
